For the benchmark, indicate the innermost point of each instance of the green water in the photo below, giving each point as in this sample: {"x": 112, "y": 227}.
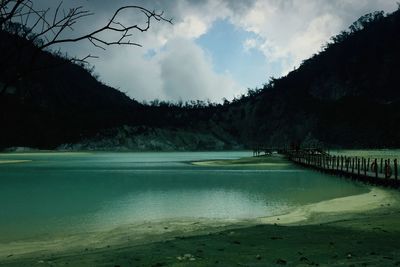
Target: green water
{"x": 73, "y": 193}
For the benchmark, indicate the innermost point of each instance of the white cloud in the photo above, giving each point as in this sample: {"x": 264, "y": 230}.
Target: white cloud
{"x": 132, "y": 73}
{"x": 179, "y": 71}
{"x": 249, "y": 44}
{"x": 294, "y": 30}
{"x": 187, "y": 73}
{"x": 287, "y": 32}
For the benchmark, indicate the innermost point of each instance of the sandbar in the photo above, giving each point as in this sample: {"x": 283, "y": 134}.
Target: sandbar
{"x": 13, "y": 161}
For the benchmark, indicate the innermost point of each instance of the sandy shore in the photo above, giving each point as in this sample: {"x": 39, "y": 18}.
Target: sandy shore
{"x": 272, "y": 162}
{"x": 71, "y": 248}
{"x": 360, "y": 230}
{"x": 338, "y": 207}
{"x": 13, "y": 161}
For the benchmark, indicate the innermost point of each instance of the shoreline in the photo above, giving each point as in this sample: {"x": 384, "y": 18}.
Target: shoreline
{"x": 145, "y": 233}
{"x": 316, "y": 213}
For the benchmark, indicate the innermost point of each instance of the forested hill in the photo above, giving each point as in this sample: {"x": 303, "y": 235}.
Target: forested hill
{"x": 347, "y": 95}
{"x": 55, "y": 101}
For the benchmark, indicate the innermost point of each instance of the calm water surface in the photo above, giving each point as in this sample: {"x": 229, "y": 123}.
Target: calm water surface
{"x": 78, "y": 192}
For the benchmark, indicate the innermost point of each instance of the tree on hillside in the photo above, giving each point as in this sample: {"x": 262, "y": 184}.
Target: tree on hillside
{"x": 46, "y": 28}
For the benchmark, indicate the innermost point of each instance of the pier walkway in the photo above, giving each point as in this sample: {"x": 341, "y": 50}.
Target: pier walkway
{"x": 379, "y": 171}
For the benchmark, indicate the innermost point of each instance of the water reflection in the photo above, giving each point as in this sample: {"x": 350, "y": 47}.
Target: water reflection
{"x": 86, "y": 192}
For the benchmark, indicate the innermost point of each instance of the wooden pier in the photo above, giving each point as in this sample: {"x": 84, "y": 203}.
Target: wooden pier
{"x": 370, "y": 170}
{"x": 378, "y": 171}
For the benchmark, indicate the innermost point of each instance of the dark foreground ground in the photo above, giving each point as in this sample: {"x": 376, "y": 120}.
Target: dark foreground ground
{"x": 370, "y": 239}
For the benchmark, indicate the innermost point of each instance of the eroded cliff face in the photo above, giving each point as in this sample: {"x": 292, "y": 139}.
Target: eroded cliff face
{"x": 128, "y": 138}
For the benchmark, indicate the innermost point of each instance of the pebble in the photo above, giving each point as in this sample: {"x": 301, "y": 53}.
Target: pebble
{"x": 258, "y": 257}
{"x": 349, "y": 256}
{"x": 186, "y": 256}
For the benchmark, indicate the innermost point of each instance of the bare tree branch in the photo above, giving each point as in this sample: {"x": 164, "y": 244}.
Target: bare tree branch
{"x": 47, "y": 28}
{"x": 58, "y": 24}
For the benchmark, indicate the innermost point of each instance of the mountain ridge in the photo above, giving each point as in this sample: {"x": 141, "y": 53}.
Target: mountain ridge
{"x": 347, "y": 95}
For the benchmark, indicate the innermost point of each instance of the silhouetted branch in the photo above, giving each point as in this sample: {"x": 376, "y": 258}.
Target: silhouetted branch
{"x": 52, "y": 29}
{"x": 47, "y": 28}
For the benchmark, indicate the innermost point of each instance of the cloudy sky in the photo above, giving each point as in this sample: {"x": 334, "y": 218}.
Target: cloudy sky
{"x": 215, "y": 48}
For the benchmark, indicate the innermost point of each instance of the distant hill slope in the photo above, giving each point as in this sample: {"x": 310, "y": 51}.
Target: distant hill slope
{"x": 348, "y": 95}
{"x": 55, "y": 102}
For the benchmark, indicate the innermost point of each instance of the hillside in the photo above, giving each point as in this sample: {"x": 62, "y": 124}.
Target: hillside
{"x": 59, "y": 104}
{"x": 345, "y": 96}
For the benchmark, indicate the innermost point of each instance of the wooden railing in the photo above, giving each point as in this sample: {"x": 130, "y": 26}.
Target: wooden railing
{"x": 373, "y": 170}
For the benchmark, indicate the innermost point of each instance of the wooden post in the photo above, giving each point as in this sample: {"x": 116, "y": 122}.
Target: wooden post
{"x": 347, "y": 164}
{"x": 395, "y": 168}
{"x": 341, "y": 163}
{"x": 381, "y": 165}
{"x": 352, "y": 165}
{"x": 386, "y": 166}
{"x": 358, "y": 166}
{"x": 365, "y": 167}
{"x": 337, "y": 163}
{"x": 368, "y": 165}
{"x": 363, "y": 163}
{"x": 362, "y": 168}
{"x": 376, "y": 168}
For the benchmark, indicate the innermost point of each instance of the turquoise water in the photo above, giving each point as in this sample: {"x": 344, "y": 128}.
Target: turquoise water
{"x": 80, "y": 192}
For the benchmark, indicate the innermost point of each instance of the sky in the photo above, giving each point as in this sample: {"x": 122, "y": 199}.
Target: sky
{"x": 214, "y": 49}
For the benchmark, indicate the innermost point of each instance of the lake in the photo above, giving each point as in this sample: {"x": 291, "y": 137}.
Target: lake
{"x": 65, "y": 193}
